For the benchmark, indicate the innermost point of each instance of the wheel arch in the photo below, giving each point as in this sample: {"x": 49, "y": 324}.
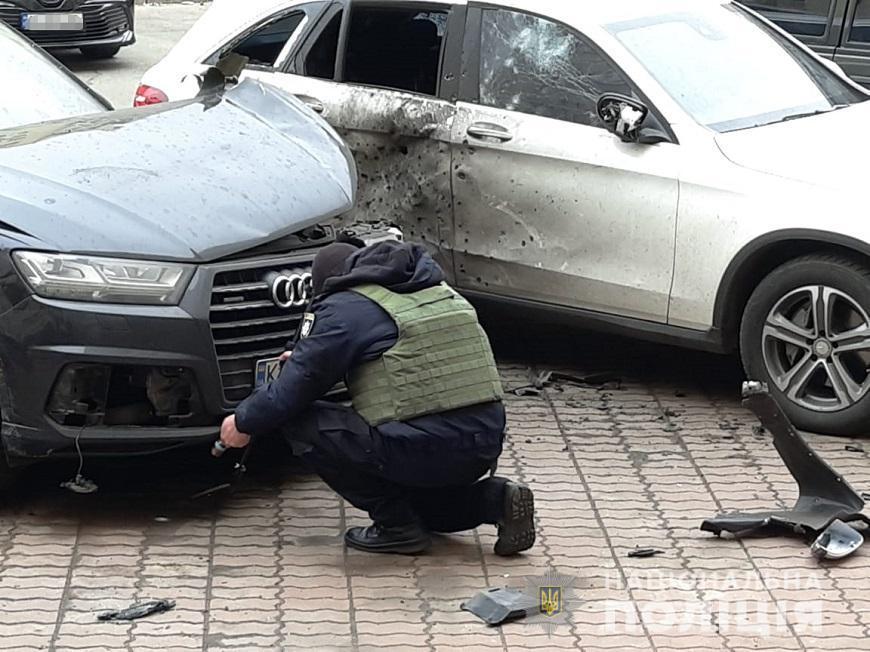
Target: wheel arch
{"x": 760, "y": 257}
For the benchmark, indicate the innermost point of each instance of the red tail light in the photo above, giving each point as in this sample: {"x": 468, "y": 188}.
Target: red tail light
{"x": 146, "y": 95}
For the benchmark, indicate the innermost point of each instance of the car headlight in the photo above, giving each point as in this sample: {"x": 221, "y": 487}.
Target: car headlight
{"x": 107, "y": 280}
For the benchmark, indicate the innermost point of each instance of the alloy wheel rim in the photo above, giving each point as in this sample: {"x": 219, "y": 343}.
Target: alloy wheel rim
{"x": 816, "y": 348}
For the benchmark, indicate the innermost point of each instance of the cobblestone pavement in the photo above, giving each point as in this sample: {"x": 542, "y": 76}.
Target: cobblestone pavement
{"x": 612, "y": 469}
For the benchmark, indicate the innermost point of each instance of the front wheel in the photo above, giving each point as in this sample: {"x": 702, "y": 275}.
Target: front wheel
{"x": 806, "y": 333}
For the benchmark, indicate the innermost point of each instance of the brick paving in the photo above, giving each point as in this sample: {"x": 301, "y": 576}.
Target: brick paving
{"x": 612, "y": 469}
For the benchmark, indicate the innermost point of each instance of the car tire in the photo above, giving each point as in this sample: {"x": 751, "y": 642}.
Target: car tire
{"x": 100, "y": 51}
{"x": 816, "y": 368}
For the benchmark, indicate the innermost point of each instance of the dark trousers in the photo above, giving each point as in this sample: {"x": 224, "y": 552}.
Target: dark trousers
{"x": 437, "y": 482}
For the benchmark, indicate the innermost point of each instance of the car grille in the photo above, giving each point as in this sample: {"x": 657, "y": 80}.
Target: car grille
{"x": 101, "y": 21}
{"x": 247, "y": 325}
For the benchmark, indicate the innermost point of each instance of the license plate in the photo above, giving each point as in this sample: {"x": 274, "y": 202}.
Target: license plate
{"x": 55, "y": 22}
{"x": 266, "y": 371}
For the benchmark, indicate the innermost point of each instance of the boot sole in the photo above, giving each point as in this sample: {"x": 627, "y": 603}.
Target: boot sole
{"x": 517, "y": 532}
{"x": 401, "y": 548}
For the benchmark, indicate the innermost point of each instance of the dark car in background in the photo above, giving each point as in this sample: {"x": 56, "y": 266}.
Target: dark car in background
{"x": 836, "y": 29}
{"x": 99, "y": 28}
{"x": 154, "y": 262}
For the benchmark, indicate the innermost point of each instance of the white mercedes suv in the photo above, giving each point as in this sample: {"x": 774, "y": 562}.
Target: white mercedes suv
{"x": 680, "y": 170}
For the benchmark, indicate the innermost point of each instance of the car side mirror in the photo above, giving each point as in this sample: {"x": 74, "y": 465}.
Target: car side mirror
{"x": 226, "y": 71}
{"x": 837, "y": 541}
{"x": 626, "y": 117}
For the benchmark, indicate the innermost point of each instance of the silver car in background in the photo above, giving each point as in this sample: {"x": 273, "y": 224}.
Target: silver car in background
{"x": 679, "y": 170}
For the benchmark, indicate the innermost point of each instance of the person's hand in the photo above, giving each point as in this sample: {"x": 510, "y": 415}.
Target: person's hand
{"x": 230, "y": 435}
{"x": 286, "y": 356}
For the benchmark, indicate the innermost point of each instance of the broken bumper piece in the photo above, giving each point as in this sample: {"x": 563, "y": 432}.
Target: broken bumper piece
{"x": 500, "y": 605}
{"x": 826, "y": 503}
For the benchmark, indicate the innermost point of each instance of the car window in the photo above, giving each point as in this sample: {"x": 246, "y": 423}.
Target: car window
{"x": 36, "y": 88}
{"x": 800, "y": 17}
{"x": 861, "y": 23}
{"x": 729, "y": 70}
{"x": 264, "y": 45}
{"x": 321, "y": 58}
{"x": 532, "y": 65}
{"x": 395, "y": 47}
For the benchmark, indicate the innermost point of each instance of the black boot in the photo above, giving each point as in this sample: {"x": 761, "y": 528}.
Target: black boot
{"x": 516, "y": 527}
{"x": 403, "y": 540}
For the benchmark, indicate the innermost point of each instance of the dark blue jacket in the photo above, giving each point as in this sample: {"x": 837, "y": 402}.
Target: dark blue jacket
{"x": 349, "y": 329}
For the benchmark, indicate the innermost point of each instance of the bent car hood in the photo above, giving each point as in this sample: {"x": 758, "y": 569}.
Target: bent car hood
{"x": 194, "y": 180}
{"x": 826, "y": 150}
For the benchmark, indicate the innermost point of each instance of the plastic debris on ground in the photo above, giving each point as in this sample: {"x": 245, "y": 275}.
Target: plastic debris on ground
{"x": 538, "y": 382}
{"x": 498, "y": 606}
{"x": 827, "y": 507}
{"x": 139, "y": 610}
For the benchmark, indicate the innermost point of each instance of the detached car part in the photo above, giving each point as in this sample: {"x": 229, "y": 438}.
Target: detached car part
{"x": 497, "y": 606}
{"x": 837, "y": 541}
{"x": 826, "y": 503}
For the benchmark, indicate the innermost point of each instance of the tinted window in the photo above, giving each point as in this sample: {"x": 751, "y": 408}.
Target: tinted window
{"x": 801, "y": 17}
{"x": 861, "y": 24}
{"x": 396, "y": 48}
{"x": 532, "y": 65}
{"x": 36, "y": 88}
{"x": 320, "y": 61}
{"x": 264, "y": 45}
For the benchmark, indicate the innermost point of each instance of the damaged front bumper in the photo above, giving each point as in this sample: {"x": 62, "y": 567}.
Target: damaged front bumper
{"x": 118, "y": 379}
{"x": 128, "y": 378}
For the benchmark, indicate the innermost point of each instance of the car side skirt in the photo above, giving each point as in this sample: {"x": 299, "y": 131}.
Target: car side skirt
{"x": 710, "y": 340}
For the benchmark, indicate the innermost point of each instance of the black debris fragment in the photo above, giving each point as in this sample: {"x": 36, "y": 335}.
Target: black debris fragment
{"x": 855, "y": 449}
{"x": 758, "y": 431}
{"x": 599, "y": 381}
{"x": 537, "y": 382}
{"x": 526, "y": 391}
{"x": 644, "y": 553}
{"x": 139, "y": 610}
{"x": 728, "y": 425}
{"x": 497, "y": 606}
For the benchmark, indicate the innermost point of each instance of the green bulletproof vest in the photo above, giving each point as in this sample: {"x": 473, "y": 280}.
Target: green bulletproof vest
{"x": 441, "y": 361}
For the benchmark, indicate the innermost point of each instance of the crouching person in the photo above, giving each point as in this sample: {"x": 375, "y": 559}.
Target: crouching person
{"x": 427, "y": 423}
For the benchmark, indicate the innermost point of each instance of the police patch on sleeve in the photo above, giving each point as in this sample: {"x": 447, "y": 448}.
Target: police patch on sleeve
{"x": 307, "y": 325}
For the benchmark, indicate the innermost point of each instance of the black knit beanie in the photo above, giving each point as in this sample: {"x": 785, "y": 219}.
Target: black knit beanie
{"x": 330, "y": 261}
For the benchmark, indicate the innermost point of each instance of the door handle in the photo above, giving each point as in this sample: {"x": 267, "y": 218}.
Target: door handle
{"x": 313, "y": 103}
{"x": 483, "y": 130}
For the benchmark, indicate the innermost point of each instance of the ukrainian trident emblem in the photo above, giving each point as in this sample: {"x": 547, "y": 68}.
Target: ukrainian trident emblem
{"x": 551, "y": 600}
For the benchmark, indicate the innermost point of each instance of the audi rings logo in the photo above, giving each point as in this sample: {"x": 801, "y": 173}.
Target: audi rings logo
{"x": 290, "y": 290}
